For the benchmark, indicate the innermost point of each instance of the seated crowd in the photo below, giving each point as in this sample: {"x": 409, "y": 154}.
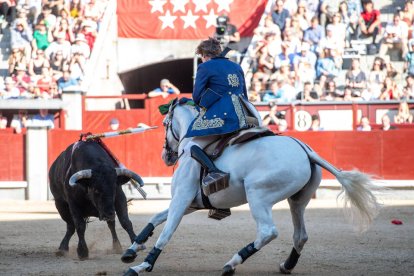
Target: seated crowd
{"x": 298, "y": 52}
{"x": 51, "y": 41}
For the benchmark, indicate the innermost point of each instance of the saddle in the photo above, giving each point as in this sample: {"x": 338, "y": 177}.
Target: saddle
{"x": 214, "y": 150}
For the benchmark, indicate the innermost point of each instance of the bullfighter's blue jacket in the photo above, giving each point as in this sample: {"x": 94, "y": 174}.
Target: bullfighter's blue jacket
{"x": 218, "y": 90}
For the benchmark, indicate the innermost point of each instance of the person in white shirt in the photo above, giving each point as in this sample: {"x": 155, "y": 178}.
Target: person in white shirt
{"x": 395, "y": 36}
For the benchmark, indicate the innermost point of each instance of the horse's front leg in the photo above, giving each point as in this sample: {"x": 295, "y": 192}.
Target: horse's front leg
{"x": 139, "y": 242}
{"x": 185, "y": 191}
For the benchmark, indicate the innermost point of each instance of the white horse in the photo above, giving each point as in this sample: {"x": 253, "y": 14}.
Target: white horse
{"x": 262, "y": 172}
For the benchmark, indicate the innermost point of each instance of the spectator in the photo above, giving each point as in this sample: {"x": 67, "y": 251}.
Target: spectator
{"x": 284, "y": 71}
{"x": 66, "y": 81}
{"x": 19, "y": 121}
{"x": 273, "y": 93}
{"x": 8, "y": 10}
{"x": 304, "y": 64}
{"x": 47, "y": 17}
{"x": 390, "y": 90}
{"x": 42, "y": 37}
{"x": 166, "y": 88}
{"x": 409, "y": 58}
{"x": 316, "y": 123}
{"x": 17, "y": 57}
{"x": 328, "y": 10}
{"x": 280, "y": 15}
{"x": 314, "y": 34}
{"x": 386, "y": 123}
{"x": 292, "y": 41}
{"x": 408, "y": 91}
{"x": 326, "y": 67}
{"x": 22, "y": 80}
{"x": 59, "y": 45}
{"x": 303, "y": 16}
{"x": 21, "y": 37}
{"x": 64, "y": 27}
{"x": 58, "y": 64}
{"x": 269, "y": 27}
{"x": 284, "y": 57}
{"x": 36, "y": 64}
{"x": 43, "y": 119}
{"x": 77, "y": 66}
{"x": 350, "y": 19}
{"x": 355, "y": 78}
{"x": 44, "y": 84}
{"x": 89, "y": 31}
{"x": 364, "y": 125}
{"x": 10, "y": 90}
{"x": 370, "y": 21}
{"x": 308, "y": 94}
{"x": 76, "y": 8}
{"x": 265, "y": 64}
{"x": 93, "y": 10}
{"x": 330, "y": 92}
{"x": 338, "y": 29}
{"x": 272, "y": 117}
{"x": 114, "y": 124}
{"x": 256, "y": 91}
{"x": 376, "y": 79}
{"x": 80, "y": 46}
{"x": 286, "y": 90}
{"x": 395, "y": 36}
{"x": 331, "y": 41}
{"x": 404, "y": 116}
{"x": 295, "y": 28}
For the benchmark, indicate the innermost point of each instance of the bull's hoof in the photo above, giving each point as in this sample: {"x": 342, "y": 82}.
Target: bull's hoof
{"x": 228, "y": 270}
{"x": 283, "y": 270}
{"x": 130, "y": 272}
{"x": 129, "y": 256}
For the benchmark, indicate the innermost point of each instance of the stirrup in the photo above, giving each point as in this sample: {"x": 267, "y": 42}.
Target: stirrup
{"x": 214, "y": 182}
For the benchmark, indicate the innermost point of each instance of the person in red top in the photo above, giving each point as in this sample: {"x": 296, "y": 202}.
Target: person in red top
{"x": 370, "y": 22}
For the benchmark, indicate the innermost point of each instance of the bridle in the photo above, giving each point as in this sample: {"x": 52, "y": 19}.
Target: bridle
{"x": 169, "y": 128}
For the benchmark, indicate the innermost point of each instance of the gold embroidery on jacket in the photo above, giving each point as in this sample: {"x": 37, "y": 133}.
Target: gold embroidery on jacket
{"x": 200, "y": 123}
{"x": 233, "y": 80}
{"x": 239, "y": 110}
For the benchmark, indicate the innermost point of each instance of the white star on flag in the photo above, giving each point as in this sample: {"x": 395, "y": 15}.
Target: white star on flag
{"x": 167, "y": 20}
{"x": 201, "y": 5}
{"x": 157, "y": 5}
{"x": 210, "y": 18}
{"x": 189, "y": 20}
{"x": 179, "y": 5}
{"x": 223, "y": 5}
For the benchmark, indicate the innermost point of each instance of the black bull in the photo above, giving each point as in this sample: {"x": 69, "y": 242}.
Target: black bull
{"x": 86, "y": 182}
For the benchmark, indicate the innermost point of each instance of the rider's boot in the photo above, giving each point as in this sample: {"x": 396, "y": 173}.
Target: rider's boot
{"x": 214, "y": 175}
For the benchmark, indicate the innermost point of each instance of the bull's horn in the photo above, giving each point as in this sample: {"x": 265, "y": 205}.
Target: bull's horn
{"x": 130, "y": 174}
{"x": 79, "y": 175}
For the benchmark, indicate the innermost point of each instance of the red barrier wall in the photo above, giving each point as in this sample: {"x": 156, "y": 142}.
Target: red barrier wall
{"x": 388, "y": 155}
{"x": 12, "y": 156}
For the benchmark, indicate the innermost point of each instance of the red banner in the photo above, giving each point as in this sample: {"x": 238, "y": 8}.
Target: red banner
{"x": 185, "y": 19}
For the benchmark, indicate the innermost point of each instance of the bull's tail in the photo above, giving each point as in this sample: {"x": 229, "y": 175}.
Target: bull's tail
{"x": 357, "y": 190}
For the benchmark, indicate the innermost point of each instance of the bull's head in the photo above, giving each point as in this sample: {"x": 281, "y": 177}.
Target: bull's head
{"x": 101, "y": 187}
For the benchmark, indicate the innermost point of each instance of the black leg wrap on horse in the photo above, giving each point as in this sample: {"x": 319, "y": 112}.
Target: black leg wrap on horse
{"x": 247, "y": 251}
{"x": 292, "y": 260}
{"x": 152, "y": 258}
{"x": 145, "y": 234}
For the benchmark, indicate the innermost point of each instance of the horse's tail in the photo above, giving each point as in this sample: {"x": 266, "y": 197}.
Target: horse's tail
{"x": 358, "y": 187}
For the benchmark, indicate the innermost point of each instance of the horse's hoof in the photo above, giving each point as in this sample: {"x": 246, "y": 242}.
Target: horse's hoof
{"x": 129, "y": 256}
{"x": 283, "y": 270}
{"x": 61, "y": 253}
{"x": 228, "y": 271}
{"x": 130, "y": 272}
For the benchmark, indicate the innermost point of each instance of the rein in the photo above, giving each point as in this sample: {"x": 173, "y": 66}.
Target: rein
{"x": 168, "y": 126}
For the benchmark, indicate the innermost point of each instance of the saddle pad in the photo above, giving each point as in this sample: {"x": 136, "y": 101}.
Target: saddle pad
{"x": 250, "y": 134}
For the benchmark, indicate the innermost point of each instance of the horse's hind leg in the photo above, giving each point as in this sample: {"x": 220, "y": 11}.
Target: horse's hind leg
{"x": 298, "y": 203}
{"x": 266, "y": 232}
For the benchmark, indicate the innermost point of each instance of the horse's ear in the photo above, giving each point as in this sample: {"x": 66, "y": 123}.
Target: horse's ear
{"x": 165, "y": 108}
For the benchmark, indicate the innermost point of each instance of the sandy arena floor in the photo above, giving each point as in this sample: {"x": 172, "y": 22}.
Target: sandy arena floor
{"x": 30, "y": 233}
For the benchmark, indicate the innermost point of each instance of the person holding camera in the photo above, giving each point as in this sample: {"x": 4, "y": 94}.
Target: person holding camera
{"x": 166, "y": 88}
{"x": 227, "y": 33}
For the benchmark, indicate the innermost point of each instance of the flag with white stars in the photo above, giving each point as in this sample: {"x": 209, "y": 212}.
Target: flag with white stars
{"x": 185, "y": 19}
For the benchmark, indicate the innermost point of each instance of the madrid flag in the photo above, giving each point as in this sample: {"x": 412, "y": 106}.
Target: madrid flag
{"x": 185, "y": 19}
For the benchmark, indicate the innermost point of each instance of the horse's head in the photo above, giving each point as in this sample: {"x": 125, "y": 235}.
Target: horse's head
{"x": 178, "y": 116}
